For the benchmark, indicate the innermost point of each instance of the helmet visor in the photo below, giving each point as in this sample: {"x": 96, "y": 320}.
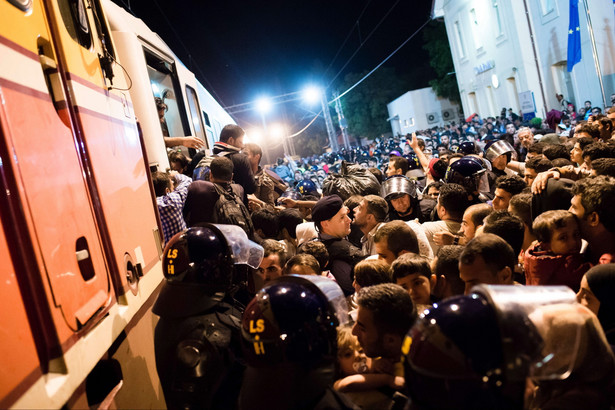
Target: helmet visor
{"x": 332, "y": 291}
{"x": 551, "y": 313}
{"x": 398, "y": 184}
{"x": 244, "y": 251}
{"x": 498, "y": 148}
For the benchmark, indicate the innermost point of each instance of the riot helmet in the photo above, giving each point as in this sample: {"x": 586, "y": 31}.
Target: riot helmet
{"x": 413, "y": 161}
{"x": 500, "y": 147}
{"x": 476, "y": 351}
{"x": 397, "y": 185}
{"x": 292, "y": 194}
{"x": 467, "y": 172}
{"x": 467, "y": 148}
{"x": 198, "y": 267}
{"x": 293, "y": 319}
{"x": 307, "y": 187}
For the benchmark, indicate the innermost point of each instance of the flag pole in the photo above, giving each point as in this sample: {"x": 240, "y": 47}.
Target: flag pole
{"x": 595, "y": 53}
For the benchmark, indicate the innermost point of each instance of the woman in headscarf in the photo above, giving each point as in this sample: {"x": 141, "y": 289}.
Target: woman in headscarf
{"x": 597, "y": 294}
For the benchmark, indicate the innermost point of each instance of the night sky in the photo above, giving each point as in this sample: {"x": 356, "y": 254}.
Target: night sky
{"x": 240, "y": 50}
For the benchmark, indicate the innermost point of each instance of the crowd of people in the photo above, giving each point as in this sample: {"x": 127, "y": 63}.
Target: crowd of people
{"x": 375, "y": 260}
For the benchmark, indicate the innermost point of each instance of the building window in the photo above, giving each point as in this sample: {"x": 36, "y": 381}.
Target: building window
{"x": 478, "y": 42}
{"x": 459, "y": 40}
{"x": 498, "y": 18}
{"x": 405, "y": 123}
{"x": 547, "y": 6}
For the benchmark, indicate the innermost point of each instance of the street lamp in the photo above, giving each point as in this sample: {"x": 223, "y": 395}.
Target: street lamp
{"x": 254, "y": 135}
{"x": 312, "y": 94}
{"x": 277, "y": 131}
{"x": 263, "y": 105}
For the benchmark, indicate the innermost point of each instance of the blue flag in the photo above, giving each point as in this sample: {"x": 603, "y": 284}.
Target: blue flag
{"x": 574, "y": 35}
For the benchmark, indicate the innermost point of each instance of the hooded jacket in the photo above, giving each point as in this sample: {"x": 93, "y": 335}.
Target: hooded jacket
{"x": 242, "y": 171}
{"x": 545, "y": 268}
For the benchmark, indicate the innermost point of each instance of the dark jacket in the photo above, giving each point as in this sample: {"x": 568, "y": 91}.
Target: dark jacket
{"x": 342, "y": 257}
{"x": 242, "y": 171}
{"x": 201, "y": 200}
{"x": 215, "y": 382}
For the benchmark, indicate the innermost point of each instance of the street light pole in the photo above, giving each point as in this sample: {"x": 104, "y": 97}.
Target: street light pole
{"x": 329, "y": 123}
{"x": 268, "y": 159}
{"x": 342, "y": 120}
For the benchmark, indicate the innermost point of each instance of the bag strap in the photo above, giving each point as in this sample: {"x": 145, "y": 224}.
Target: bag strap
{"x": 222, "y": 191}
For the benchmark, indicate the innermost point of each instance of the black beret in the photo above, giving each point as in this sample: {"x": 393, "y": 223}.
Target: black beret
{"x": 326, "y": 208}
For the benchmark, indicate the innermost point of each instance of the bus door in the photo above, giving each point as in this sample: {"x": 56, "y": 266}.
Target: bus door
{"x": 49, "y": 177}
{"x": 108, "y": 140}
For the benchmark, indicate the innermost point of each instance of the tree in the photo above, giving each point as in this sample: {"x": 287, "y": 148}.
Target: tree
{"x": 440, "y": 58}
{"x": 312, "y": 143}
{"x": 365, "y": 107}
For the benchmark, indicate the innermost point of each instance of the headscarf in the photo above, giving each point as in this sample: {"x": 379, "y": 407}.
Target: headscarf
{"x": 556, "y": 195}
{"x": 601, "y": 281}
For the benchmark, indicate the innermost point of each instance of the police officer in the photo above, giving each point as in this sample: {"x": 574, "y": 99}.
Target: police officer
{"x": 197, "y": 337}
{"x": 289, "y": 338}
{"x": 482, "y": 351}
{"x": 331, "y": 220}
{"x": 470, "y": 173}
{"x": 401, "y": 194}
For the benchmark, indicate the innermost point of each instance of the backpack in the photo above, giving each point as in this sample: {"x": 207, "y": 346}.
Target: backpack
{"x": 201, "y": 171}
{"x": 229, "y": 209}
{"x": 265, "y": 188}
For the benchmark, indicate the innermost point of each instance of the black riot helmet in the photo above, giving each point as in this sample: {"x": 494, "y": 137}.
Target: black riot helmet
{"x": 467, "y": 172}
{"x": 294, "y": 320}
{"x": 476, "y": 351}
{"x": 198, "y": 267}
{"x": 467, "y": 148}
{"x": 289, "y": 340}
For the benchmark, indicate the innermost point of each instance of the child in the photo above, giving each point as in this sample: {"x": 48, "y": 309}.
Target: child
{"x": 413, "y": 273}
{"x": 555, "y": 259}
{"x": 350, "y": 357}
{"x": 356, "y": 376}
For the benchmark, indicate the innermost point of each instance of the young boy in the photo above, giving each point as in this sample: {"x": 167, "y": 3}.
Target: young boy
{"x": 413, "y": 273}
{"x": 554, "y": 259}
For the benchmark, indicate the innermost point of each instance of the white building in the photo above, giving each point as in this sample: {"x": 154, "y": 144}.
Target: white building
{"x": 419, "y": 110}
{"x": 507, "y": 51}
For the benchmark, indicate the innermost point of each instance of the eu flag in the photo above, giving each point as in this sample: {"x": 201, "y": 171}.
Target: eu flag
{"x": 574, "y": 35}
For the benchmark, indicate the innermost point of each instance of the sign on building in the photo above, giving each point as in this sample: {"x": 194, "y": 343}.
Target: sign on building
{"x": 528, "y": 105}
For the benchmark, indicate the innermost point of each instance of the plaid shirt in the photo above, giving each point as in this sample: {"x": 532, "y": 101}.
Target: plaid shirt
{"x": 170, "y": 208}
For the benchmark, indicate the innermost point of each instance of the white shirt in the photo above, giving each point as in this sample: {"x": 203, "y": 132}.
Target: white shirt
{"x": 424, "y": 246}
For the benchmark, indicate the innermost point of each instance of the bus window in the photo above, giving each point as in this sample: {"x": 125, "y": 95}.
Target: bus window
{"x": 206, "y": 119}
{"x": 197, "y": 122}
{"x": 76, "y": 21}
{"x": 210, "y": 137}
{"x": 217, "y": 129}
{"x": 163, "y": 80}
{"x": 23, "y": 5}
